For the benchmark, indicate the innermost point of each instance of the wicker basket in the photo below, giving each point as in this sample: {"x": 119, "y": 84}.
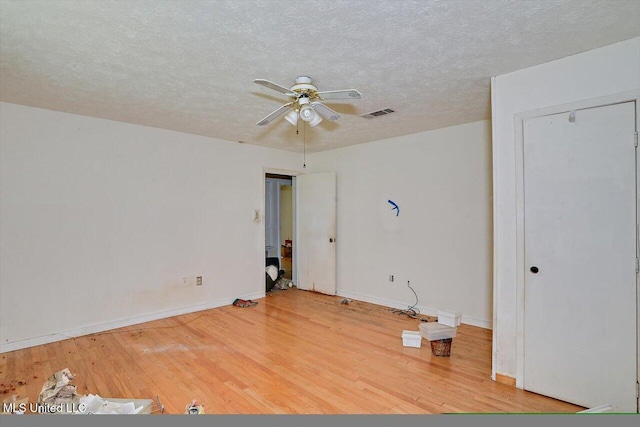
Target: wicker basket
{"x": 441, "y": 347}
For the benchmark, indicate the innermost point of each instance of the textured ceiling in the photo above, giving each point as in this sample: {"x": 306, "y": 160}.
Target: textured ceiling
{"x": 189, "y": 65}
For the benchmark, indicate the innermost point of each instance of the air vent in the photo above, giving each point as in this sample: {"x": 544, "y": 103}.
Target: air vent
{"x": 378, "y": 113}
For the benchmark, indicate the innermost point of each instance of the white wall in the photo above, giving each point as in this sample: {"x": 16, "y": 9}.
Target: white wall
{"x": 605, "y": 71}
{"x": 101, "y": 220}
{"x": 441, "y": 241}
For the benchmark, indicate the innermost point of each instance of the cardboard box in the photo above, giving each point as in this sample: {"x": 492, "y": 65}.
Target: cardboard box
{"x": 449, "y": 318}
{"x": 411, "y": 339}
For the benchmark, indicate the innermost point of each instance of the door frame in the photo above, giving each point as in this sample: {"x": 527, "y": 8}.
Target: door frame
{"x": 281, "y": 183}
{"x": 519, "y": 119}
{"x": 263, "y": 238}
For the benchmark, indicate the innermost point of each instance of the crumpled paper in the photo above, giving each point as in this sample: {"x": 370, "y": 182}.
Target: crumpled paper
{"x": 194, "y": 408}
{"x": 58, "y": 390}
{"x": 95, "y": 404}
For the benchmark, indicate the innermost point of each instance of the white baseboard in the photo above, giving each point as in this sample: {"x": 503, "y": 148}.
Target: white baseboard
{"x": 474, "y": 321}
{"x": 429, "y": 311}
{"x": 121, "y": 323}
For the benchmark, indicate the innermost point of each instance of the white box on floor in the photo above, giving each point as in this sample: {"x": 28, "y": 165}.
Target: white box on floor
{"x": 411, "y": 339}
{"x": 449, "y": 318}
{"x": 433, "y": 331}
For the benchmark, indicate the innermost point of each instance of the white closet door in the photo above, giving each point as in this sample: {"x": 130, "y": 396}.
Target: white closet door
{"x": 316, "y": 219}
{"x": 580, "y": 257}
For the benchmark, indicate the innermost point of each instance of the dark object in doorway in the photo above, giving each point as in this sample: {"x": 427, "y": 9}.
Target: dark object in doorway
{"x": 275, "y": 261}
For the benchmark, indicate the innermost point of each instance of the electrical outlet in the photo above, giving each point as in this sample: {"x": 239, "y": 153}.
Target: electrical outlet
{"x": 199, "y": 281}
{"x": 391, "y": 278}
{"x": 185, "y": 281}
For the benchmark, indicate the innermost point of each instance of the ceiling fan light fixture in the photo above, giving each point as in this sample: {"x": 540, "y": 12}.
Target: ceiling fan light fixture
{"x": 317, "y": 119}
{"x": 292, "y": 117}
{"x": 307, "y": 113}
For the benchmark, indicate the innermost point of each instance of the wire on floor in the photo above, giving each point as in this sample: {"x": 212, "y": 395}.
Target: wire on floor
{"x": 411, "y": 311}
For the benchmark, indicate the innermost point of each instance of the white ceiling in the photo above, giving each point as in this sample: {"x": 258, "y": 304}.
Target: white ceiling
{"x": 189, "y": 65}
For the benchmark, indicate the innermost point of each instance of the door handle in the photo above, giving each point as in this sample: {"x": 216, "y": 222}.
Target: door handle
{"x": 330, "y": 239}
{"x": 534, "y": 269}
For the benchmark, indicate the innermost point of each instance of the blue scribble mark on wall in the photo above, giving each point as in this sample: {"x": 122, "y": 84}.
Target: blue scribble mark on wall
{"x": 395, "y": 207}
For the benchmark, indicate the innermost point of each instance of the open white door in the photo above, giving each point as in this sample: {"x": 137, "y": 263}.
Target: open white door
{"x": 316, "y": 223}
{"x": 580, "y": 253}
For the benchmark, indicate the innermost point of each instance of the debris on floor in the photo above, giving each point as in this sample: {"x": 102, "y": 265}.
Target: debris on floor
{"x": 58, "y": 390}
{"x": 194, "y": 409}
{"x": 345, "y": 301}
{"x": 283, "y": 283}
{"x": 94, "y": 404}
{"x": 157, "y": 407}
{"x": 58, "y": 395}
{"x": 244, "y": 303}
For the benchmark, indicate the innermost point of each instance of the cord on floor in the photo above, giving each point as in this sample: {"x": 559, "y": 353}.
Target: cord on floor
{"x": 411, "y": 311}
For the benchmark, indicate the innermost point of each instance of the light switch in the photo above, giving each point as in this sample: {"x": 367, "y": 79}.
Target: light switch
{"x": 255, "y": 215}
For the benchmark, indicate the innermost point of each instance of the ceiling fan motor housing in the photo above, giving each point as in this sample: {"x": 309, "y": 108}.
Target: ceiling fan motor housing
{"x": 304, "y": 85}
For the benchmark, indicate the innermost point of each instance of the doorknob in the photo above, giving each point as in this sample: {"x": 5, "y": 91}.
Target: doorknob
{"x": 534, "y": 269}
{"x": 330, "y": 239}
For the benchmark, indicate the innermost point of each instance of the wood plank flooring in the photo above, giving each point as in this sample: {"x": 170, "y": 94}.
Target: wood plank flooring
{"x": 296, "y": 352}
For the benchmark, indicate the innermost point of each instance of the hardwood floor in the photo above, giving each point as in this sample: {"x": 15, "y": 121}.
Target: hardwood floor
{"x": 295, "y": 352}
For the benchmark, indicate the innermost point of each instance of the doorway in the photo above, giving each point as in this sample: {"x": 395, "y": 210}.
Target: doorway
{"x": 580, "y": 255}
{"x": 311, "y": 249}
{"x": 279, "y": 221}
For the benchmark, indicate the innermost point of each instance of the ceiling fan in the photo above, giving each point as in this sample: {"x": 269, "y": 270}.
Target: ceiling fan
{"x": 305, "y": 101}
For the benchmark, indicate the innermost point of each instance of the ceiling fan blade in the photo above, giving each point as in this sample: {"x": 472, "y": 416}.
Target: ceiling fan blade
{"x": 340, "y": 94}
{"x": 271, "y": 85}
{"x": 271, "y": 117}
{"x": 325, "y": 111}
